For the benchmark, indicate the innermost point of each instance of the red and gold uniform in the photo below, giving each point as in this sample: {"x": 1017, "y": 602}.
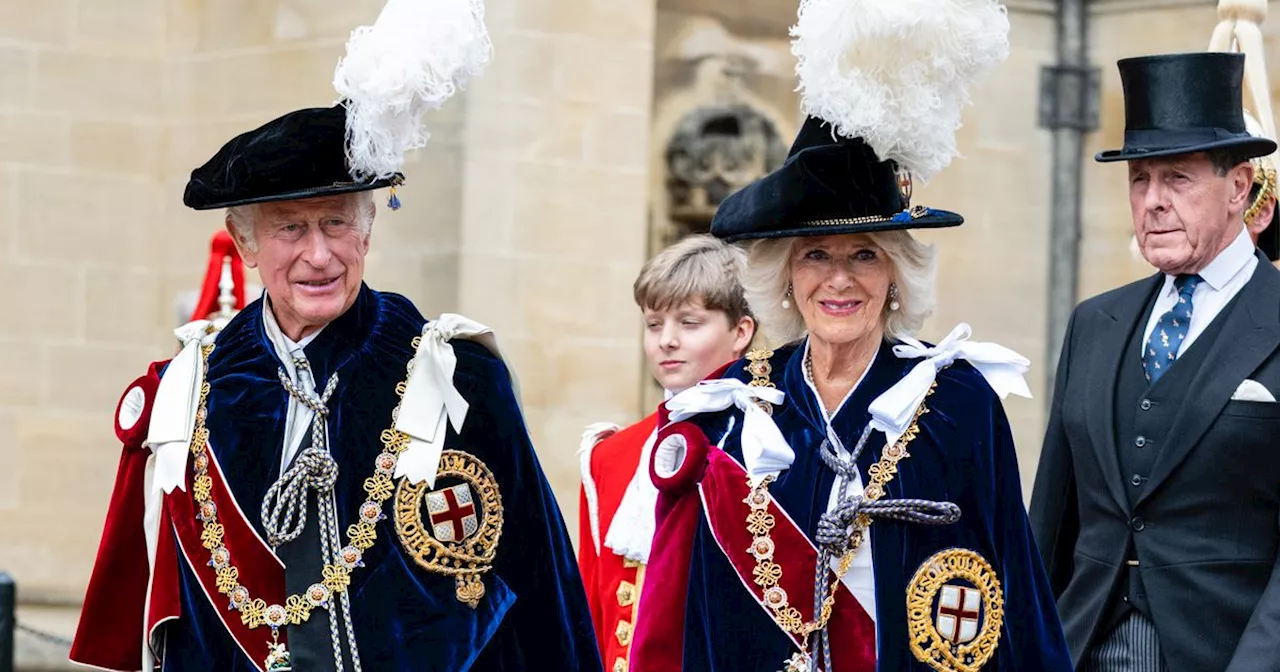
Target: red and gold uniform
{"x": 611, "y": 460}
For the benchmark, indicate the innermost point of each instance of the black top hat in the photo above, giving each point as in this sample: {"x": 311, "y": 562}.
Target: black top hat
{"x": 299, "y": 155}
{"x": 827, "y": 186}
{"x": 1184, "y": 103}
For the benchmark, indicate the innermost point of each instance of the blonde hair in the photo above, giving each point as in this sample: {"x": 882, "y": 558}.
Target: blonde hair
{"x": 768, "y": 277}
{"x": 698, "y": 268}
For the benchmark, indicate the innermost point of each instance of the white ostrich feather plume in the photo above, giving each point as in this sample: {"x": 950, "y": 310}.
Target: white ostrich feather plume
{"x": 412, "y": 59}
{"x": 896, "y": 73}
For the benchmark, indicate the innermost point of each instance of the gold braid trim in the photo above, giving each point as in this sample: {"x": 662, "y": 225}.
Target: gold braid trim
{"x": 767, "y": 574}
{"x": 914, "y": 213}
{"x": 760, "y": 370}
{"x": 1265, "y": 177}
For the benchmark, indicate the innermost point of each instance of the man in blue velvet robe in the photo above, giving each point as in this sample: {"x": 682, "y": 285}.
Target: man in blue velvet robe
{"x": 330, "y": 482}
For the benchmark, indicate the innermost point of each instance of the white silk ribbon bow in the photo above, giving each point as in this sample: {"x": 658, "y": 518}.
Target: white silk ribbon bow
{"x": 1002, "y": 368}
{"x": 430, "y": 397}
{"x": 173, "y": 418}
{"x": 764, "y": 450}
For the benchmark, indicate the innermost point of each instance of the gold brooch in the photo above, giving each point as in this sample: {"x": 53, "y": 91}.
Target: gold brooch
{"x": 955, "y": 610}
{"x": 459, "y": 535}
{"x": 760, "y": 370}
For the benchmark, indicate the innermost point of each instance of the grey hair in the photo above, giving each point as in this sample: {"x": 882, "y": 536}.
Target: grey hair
{"x": 241, "y": 217}
{"x": 768, "y": 277}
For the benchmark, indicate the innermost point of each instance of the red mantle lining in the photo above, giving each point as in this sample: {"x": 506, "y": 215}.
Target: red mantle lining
{"x": 260, "y": 570}
{"x": 163, "y": 600}
{"x": 723, "y": 489}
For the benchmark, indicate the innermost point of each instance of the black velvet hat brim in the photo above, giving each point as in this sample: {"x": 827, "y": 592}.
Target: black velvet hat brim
{"x": 332, "y": 190}
{"x": 299, "y": 155}
{"x": 826, "y": 187}
{"x": 1251, "y": 147}
{"x": 934, "y": 219}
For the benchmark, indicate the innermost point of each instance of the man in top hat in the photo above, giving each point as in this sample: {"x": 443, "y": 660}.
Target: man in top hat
{"x": 329, "y": 482}
{"x": 1158, "y": 493}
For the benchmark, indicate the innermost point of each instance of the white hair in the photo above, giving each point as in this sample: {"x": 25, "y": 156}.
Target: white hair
{"x": 241, "y": 217}
{"x": 768, "y": 277}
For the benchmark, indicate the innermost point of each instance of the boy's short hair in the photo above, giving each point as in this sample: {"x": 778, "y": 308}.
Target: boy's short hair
{"x": 698, "y": 268}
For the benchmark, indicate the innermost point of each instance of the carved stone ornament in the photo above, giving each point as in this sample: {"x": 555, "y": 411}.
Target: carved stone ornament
{"x": 716, "y": 150}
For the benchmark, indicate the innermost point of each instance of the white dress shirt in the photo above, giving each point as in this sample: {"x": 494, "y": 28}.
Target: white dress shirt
{"x": 1223, "y": 279}
{"x": 298, "y": 418}
{"x": 860, "y": 579}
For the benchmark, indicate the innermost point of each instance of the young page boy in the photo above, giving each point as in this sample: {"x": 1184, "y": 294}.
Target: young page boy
{"x": 696, "y": 321}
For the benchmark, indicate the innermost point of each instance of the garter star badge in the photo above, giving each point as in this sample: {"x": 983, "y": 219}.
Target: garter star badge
{"x": 955, "y": 611}
{"x": 459, "y": 534}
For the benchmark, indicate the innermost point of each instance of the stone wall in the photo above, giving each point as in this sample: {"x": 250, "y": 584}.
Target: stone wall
{"x": 553, "y": 203}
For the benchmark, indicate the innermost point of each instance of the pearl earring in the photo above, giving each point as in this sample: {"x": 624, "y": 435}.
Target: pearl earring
{"x": 893, "y": 298}
{"x": 786, "y": 300}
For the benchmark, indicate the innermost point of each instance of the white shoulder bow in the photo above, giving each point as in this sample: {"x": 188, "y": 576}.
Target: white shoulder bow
{"x": 430, "y": 396}
{"x": 764, "y": 450}
{"x": 173, "y": 418}
{"x": 1002, "y": 368}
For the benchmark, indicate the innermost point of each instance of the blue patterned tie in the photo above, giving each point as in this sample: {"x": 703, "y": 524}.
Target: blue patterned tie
{"x": 1167, "y": 337}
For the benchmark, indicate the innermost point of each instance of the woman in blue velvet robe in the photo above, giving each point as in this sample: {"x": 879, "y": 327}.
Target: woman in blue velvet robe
{"x": 953, "y": 579}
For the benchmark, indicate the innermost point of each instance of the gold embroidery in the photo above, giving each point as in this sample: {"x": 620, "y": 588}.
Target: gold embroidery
{"x": 467, "y": 558}
{"x": 362, "y": 535}
{"x": 939, "y": 593}
{"x": 620, "y": 664}
{"x": 211, "y": 536}
{"x": 1265, "y": 178}
{"x": 228, "y": 578}
{"x": 297, "y": 610}
{"x": 767, "y": 574}
{"x": 251, "y": 613}
{"x": 760, "y": 370}
{"x": 760, "y": 523}
{"x": 336, "y": 577}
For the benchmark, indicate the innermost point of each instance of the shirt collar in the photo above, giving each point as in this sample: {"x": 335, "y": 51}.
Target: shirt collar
{"x": 286, "y": 348}
{"x": 1227, "y": 264}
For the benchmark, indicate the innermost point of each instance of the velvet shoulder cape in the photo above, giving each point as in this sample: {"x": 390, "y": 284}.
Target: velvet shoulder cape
{"x": 963, "y": 453}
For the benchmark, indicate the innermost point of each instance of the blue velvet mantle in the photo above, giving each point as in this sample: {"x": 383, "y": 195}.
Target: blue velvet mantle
{"x": 964, "y": 454}
{"x": 534, "y": 613}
